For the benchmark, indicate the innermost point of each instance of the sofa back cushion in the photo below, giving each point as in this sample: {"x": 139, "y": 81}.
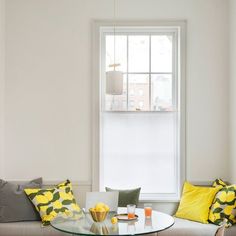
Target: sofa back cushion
{"x": 54, "y": 201}
{"x": 224, "y": 204}
{"x": 195, "y": 202}
{"x": 14, "y": 204}
{"x": 128, "y": 196}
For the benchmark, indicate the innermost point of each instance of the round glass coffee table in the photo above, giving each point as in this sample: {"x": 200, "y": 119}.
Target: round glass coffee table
{"x": 86, "y": 226}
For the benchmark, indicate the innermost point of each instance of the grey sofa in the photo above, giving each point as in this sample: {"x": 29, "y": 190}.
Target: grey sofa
{"x": 180, "y": 228}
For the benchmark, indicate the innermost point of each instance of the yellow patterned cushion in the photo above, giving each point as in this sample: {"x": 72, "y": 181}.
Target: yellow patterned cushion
{"x": 54, "y": 201}
{"x": 224, "y": 204}
{"x": 195, "y": 202}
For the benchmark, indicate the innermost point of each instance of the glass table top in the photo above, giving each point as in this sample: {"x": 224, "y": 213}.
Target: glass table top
{"x": 86, "y": 226}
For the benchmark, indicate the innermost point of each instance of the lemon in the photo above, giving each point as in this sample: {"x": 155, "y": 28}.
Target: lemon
{"x": 217, "y": 216}
{"x": 100, "y": 204}
{"x": 75, "y": 207}
{"x": 230, "y": 196}
{"x": 43, "y": 209}
{"x": 99, "y": 209}
{"x": 57, "y": 204}
{"x": 41, "y": 199}
{"x": 216, "y": 205}
{"x": 114, "y": 220}
{"x": 48, "y": 195}
{"x": 223, "y": 196}
{"x": 228, "y": 210}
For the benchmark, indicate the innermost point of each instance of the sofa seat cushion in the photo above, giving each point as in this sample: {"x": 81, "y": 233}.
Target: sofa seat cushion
{"x": 184, "y": 227}
{"x": 28, "y": 228}
{"x": 180, "y": 228}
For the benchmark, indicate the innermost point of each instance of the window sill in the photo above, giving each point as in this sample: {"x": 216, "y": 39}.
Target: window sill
{"x": 157, "y": 197}
{"x": 159, "y": 200}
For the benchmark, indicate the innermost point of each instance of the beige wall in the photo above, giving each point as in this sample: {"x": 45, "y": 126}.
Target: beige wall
{"x": 2, "y": 83}
{"x": 232, "y": 38}
{"x": 48, "y": 84}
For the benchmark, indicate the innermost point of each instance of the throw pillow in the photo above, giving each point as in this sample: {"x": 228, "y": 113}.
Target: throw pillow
{"x": 129, "y": 196}
{"x": 219, "y": 182}
{"x": 54, "y": 201}
{"x": 195, "y": 202}
{"x": 224, "y": 204}
{"x": 14, "y": 205}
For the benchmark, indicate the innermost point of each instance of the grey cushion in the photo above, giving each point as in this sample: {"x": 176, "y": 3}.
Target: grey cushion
{"x": 14, "y": 204}
{"x": 129, "y": 196}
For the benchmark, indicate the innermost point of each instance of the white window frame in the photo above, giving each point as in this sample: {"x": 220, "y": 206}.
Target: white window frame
{"x": 180, "y": 27}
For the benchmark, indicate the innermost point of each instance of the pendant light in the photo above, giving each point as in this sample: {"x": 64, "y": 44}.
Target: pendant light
{"x": 114, "y": 78}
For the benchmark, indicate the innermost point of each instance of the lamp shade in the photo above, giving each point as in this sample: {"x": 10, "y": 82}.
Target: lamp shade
{"x": 114, "y": 82}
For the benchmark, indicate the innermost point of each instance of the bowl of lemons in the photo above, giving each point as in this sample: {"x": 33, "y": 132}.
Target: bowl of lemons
{"x": 99, "y": 212}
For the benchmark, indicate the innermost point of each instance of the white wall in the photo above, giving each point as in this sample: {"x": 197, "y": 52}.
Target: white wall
{"x": 232, "y": 38}
{"x": 2, "y": 83}
{"x": 48, "y": 84}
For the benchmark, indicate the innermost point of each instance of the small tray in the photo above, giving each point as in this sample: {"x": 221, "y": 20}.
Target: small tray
{"x": 124, "y": 217}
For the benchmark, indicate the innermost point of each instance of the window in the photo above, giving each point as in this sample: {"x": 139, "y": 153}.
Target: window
{"x": 142, "y": 130}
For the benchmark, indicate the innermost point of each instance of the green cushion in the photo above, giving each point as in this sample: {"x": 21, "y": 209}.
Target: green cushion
{"x": 128, "y": 196}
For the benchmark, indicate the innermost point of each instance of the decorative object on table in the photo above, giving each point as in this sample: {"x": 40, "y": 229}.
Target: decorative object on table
{"x": 99, "y": 212}
{"x": 224, "y": 204}
{"x": 99, "y": 229}
{"x": 131, "y": 211}
{"x": 148, "y": 223}
{"x": 148, "y": 210}
{"x": 114, "y": 78}
{"x": 124, "y": 217}
{"x": 196, "y": 202}
{"x": 127, "y": 196}
{"x": 114, "y": 220}
{"x": 131, "y": 227}
{"x": 54, "y": 201}
{"x": 14, "y": 204}
{"x": 108, "y": 198}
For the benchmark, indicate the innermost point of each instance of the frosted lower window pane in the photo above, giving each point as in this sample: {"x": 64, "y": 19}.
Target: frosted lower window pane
{"x": 139, "y": 150}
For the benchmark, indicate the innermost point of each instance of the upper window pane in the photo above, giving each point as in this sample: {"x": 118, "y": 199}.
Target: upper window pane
{"x": 120, "y": 52}
{"x": 138, "y": 53}
{"x": 117, "y": 102}
{"x": 138, "y": 92}
{"x": 161, "y": 87}
{"x": 161, "y": 53}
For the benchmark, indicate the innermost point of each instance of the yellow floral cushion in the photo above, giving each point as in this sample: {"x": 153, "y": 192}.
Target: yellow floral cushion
{"x": 54, "y": 201}
{"x": 224, "y": 204}
{"x": 195, "y": 202}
